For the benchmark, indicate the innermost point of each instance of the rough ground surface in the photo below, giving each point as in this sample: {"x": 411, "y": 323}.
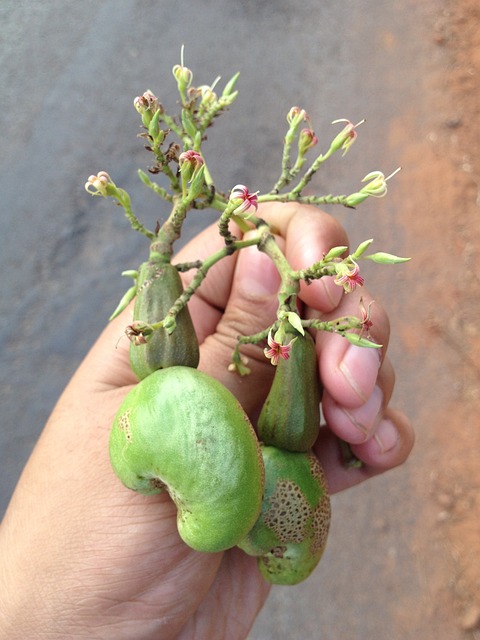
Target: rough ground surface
{"x": 450, "y": 540}
{"x": 402, "y": 562}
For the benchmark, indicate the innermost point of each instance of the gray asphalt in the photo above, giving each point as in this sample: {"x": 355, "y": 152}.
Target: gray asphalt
{"x": 68, "y": 74}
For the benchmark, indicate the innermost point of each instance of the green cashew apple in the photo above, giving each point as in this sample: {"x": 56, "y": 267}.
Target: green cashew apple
{"x": 158, "y": 287}
{"x": 182, "y": 431}
{"x": 290, "y": 416}
{"x": 291, "y": 533}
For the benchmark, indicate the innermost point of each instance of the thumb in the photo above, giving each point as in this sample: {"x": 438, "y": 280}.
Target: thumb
{"x": 251, "y": 307}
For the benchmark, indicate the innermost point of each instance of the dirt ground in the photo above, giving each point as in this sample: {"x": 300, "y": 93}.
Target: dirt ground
{"x": 444, "y": 310}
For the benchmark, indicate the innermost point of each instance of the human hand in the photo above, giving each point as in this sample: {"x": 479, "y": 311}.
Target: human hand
{"x": 82, "y": 556}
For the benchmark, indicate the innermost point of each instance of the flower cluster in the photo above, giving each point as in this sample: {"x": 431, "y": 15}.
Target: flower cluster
{"x": 184, "y": 165}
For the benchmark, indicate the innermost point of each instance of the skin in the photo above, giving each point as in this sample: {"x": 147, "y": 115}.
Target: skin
{"x": 81, "y": 556}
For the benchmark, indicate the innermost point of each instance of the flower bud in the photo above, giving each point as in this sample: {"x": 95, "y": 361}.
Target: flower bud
{"x": 335, "y": 252}
{"x": 385, "y": 258}
{"x": 355, "y": 199}
{"x": 362, "y": 247}
{"x": 359, "y": 341}
{"x": 229, "y": 95}
{"x": 169, "y": 324}
{"x": 296, "y": 322}
{"x": 124, "y": 302}
{"x": 190, "y": 162}
{"x": 188, "y": 124}
{"x": 197, "y": 183}
{"x": 229, "y": 87}
{"x": 239, "y": 365}
{"x": 306, "y": 140}
{"x": 226, "y": 101}
{"x": 130, "y": 273}
{"x": 154, "y": 130}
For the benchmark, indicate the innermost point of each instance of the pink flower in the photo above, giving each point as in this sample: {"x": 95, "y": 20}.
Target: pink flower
{"x": 245, "y": 199}
{"x": 347, "y": 276}
{"x": 277, "y": 350}
{"x": 192, "y": 157}
{"x": 347, "y": 135}
{"x": 190, "y": 162}
{"x": 365, "y": 319}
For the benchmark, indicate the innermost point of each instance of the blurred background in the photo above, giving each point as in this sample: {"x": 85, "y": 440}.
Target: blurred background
{"x": 402, "y": 558}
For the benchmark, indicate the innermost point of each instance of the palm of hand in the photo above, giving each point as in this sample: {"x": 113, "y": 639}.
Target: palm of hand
{"x": 109, "y": 562}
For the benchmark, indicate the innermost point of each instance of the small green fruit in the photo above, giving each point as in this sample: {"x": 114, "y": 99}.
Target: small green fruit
{"x": 291, "y": 533}
{"x": 158, "y": 287}
{"x": 183, "y": 431}
{"x": 290, "y": 416}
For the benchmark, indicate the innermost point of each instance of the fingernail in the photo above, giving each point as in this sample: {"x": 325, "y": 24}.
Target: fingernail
{"x": 386, "y": 436}
{"x": 364, "y": 419}
{"x": 255, "y": 274}
{"x": 333, "y": 293}
{"x": 360, "y": 368}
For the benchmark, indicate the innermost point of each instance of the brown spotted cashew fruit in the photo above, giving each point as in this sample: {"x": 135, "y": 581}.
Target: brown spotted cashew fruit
{"x": 182, "y": 431}
{"x": 158, "y": 287}
{"x": 291, "y": 533}
{"x": 290, "y": 416}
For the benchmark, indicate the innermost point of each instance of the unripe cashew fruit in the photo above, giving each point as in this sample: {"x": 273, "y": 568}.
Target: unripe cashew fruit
{"x": 291, "y": 533}
{"x": 158, "y": 287}
{"x": 290, "y": 416}
{"x": 183, "y": 431}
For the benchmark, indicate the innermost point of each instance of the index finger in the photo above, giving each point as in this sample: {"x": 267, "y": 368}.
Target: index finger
{"x": 309, "y": 233}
